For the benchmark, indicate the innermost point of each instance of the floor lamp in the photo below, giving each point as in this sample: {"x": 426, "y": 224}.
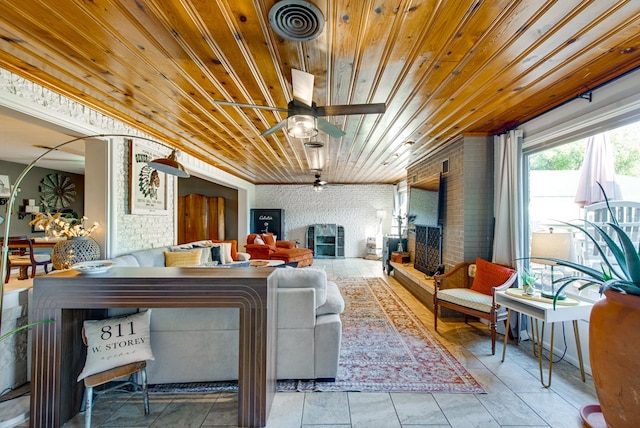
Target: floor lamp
{"x": 548, "y": 246}
{"x": 168, "y": 165}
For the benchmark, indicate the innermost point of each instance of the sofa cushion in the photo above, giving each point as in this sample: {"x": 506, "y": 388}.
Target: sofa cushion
{"x": 115, "y": 342}
{"x": 466, "y": 297}
{"x": 258, "y": 241}
{"x": 181, "y": 247}
{"x": 301, "y": 278}
{"x": 489, "y": 275}
{"x": 334, "y": 303}
{"x": 126, "y": 260}
{"x": 153, "y": 257}
{"x": 183, "y": 258}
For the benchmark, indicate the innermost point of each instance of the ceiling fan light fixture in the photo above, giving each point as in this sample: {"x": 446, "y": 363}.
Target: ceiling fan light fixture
{"x": 317, "y": 187}
{"x": 302, "y": 126}
{"x": 169, "y": 165}
{"x": 314, "y": 145}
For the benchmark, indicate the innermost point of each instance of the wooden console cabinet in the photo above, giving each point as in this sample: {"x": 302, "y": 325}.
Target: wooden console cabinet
{"x": 69, "y": 298}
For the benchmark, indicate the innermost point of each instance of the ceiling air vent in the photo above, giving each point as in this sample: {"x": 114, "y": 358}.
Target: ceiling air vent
{"x": 296, "y": 20}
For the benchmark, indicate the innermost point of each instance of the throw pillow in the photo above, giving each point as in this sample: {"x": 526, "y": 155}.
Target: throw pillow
{"x": 183, "y": 258}
{"x": 117, "y": 341}
{"x": 269, "y": 239}
{"x": 225, "y": 252}
{"x": 489, "y": 275}
{"x": 202, "y": 244}
{"x": 205, "y": 254}
{"x": 258, "y": 240}
{"x": 234, "y": 247}
{"x": 215, "y": 254}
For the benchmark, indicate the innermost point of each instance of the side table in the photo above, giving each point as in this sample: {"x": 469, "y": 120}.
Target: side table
{"x": 541, "y": 309}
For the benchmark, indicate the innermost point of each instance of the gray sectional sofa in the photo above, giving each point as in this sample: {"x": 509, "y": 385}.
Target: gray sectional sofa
{"x": 200, "y": 345}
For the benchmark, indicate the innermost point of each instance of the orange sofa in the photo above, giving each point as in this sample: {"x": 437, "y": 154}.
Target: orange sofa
{"x": 277, "y": 250}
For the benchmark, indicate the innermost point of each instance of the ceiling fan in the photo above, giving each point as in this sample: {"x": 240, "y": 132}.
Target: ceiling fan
{"x": 304, "y": 117}
{"x": 319, "y": 184}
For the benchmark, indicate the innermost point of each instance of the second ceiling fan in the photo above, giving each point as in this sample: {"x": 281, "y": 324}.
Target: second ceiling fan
{"x": 304, "y": 117}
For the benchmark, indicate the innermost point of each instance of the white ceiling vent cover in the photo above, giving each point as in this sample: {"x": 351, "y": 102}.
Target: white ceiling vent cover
{"x": 296, "y": 20}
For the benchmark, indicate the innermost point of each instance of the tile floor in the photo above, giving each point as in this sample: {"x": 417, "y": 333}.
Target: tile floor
{"x": 514, "y": 395}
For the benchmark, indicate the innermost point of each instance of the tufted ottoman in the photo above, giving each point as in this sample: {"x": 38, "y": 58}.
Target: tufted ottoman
{"x": 304, "y": 256}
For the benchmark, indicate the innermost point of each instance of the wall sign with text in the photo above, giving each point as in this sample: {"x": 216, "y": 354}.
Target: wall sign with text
{"x": 148, "y": 187}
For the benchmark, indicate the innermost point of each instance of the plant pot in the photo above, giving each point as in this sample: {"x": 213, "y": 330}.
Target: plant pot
{"x": 614, "y": 338}
{"x": 74, "y": 250}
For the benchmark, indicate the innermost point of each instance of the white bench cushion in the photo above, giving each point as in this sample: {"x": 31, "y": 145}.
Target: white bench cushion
{"x": 466, "y": 297}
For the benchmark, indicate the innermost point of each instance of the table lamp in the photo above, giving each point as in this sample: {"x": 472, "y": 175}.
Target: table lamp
{"x": 546, "y": 246}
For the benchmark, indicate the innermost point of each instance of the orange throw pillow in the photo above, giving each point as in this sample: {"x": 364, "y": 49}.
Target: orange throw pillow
{"x": 489, "y": 275}
{"x": 269, "y": 240}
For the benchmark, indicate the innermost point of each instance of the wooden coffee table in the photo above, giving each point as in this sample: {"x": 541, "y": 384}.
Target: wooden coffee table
{"x": 265, "y": 263}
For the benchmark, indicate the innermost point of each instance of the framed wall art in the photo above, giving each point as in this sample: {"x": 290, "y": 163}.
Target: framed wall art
{"x": 5, "y": 186}
{"x": 148, "y": 187}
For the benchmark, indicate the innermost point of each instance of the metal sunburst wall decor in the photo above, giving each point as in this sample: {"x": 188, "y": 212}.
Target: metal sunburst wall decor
{"x": 58, "y": 191}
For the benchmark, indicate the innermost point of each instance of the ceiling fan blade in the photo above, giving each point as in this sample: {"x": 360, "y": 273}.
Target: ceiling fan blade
{"x": 278, "y": 126}
{"x": 343, "y": 110}
{"x": 329, "y": 128}
{"x": 233, "y": 104}
{"x": 302, "y": 83}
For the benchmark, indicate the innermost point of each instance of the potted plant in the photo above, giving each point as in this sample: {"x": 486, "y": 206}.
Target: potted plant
{"x": 77, "y": 247}
{"x": 529, "y": 279}
{"x": 614, "y": 333}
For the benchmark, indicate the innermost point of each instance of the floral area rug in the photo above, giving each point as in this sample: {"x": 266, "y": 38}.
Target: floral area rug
{"x": 385, "y": 348}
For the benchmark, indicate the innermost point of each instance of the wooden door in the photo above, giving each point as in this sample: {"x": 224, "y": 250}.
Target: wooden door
{"x": 200, "y": 217}
{"x": 216, "y": 218}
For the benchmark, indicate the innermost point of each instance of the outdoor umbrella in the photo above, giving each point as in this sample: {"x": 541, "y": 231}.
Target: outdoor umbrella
{"x": 598, "y": 167}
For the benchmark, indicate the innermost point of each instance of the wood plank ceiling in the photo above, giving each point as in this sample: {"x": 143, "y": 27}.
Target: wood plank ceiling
{"x": 442, "y": 67}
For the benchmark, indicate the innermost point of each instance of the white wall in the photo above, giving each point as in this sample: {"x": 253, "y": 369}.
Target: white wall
{"x": 351, "y": 206}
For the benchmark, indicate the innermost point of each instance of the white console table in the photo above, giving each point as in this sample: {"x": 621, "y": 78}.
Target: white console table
{"x": 545, "y": 312}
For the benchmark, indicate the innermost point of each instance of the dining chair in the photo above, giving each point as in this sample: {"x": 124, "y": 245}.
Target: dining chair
{"x": 22, "y": 255}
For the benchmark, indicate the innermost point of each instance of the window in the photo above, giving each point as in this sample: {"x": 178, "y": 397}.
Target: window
{"x": 555, "y": 191}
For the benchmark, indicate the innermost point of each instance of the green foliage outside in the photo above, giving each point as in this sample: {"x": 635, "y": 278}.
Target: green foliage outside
{"x": 626, "y": 143}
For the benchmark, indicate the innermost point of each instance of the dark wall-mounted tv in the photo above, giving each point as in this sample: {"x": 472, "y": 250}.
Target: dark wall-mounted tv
{"x": 424, "y": 201}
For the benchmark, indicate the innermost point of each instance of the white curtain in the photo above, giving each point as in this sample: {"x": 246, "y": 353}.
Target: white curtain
{"x": 507, "y": 198}
{"x": 508, "y": 206}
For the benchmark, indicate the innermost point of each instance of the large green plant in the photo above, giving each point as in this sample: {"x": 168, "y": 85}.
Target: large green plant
{"x": 620, "y": 271}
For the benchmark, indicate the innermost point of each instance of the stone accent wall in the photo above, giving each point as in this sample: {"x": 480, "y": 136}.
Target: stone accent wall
{"x": 466, "y": 197}
{"x": 351, "y": 206}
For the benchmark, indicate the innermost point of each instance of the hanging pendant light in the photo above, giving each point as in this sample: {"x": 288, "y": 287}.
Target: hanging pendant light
{"x": 169, "y": 166}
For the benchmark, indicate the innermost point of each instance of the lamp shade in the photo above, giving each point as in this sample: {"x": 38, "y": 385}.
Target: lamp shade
{"x": 169, "y": 166}
{"x": 302, "y": 126}
{"x": 552, "y": 245}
